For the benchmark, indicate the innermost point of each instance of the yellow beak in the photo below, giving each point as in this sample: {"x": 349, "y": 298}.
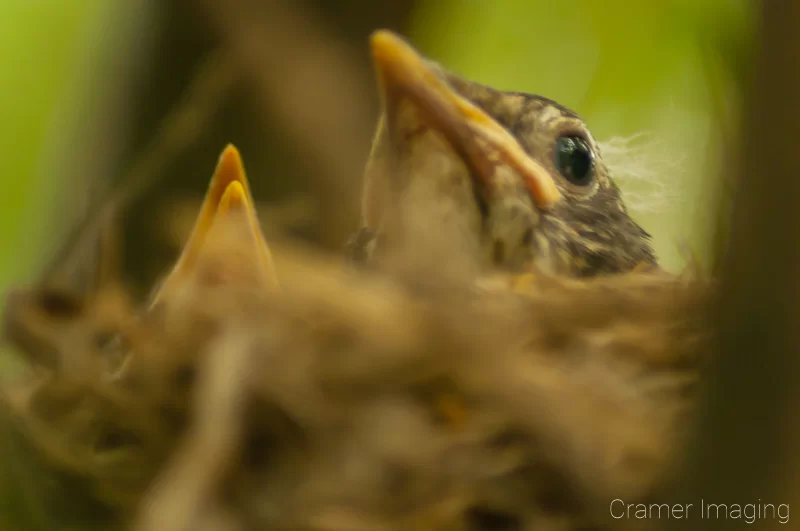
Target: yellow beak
{"x": 485, "y": 144}
{"x": 228, "y": 194}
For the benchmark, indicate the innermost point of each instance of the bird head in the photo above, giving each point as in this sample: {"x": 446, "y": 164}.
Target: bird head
{"x": 514, "y": 180}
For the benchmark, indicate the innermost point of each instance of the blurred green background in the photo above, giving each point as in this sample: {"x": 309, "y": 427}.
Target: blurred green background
{"x": 45, "y": 47}
{"x": 659, "y": 81}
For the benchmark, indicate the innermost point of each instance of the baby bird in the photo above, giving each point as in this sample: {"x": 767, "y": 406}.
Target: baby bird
{"x": 510, "y": 181}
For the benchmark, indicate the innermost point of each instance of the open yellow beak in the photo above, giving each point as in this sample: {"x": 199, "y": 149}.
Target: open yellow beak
{"x": 228, "y": 194}
{"x": 485, "y": 144}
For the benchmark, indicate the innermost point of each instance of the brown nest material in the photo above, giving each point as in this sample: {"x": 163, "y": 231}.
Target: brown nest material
{"x": 349, "y": 400}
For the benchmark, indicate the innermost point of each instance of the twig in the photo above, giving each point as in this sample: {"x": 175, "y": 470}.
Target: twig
{"x": 744, "y": 452}
{"x": 207, "y": 451}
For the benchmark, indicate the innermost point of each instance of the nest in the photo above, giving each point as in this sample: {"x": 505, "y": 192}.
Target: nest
{"x": 350, "y": 400}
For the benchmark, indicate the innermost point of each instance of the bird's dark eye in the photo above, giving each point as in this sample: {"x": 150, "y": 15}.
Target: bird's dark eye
{"x": 575, "y": 160}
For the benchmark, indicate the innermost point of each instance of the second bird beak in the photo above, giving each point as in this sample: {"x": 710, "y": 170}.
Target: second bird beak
{"x": 228, "y": 195}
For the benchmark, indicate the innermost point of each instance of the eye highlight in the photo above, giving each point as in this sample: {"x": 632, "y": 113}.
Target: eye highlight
{"x": 574, "y": 158}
